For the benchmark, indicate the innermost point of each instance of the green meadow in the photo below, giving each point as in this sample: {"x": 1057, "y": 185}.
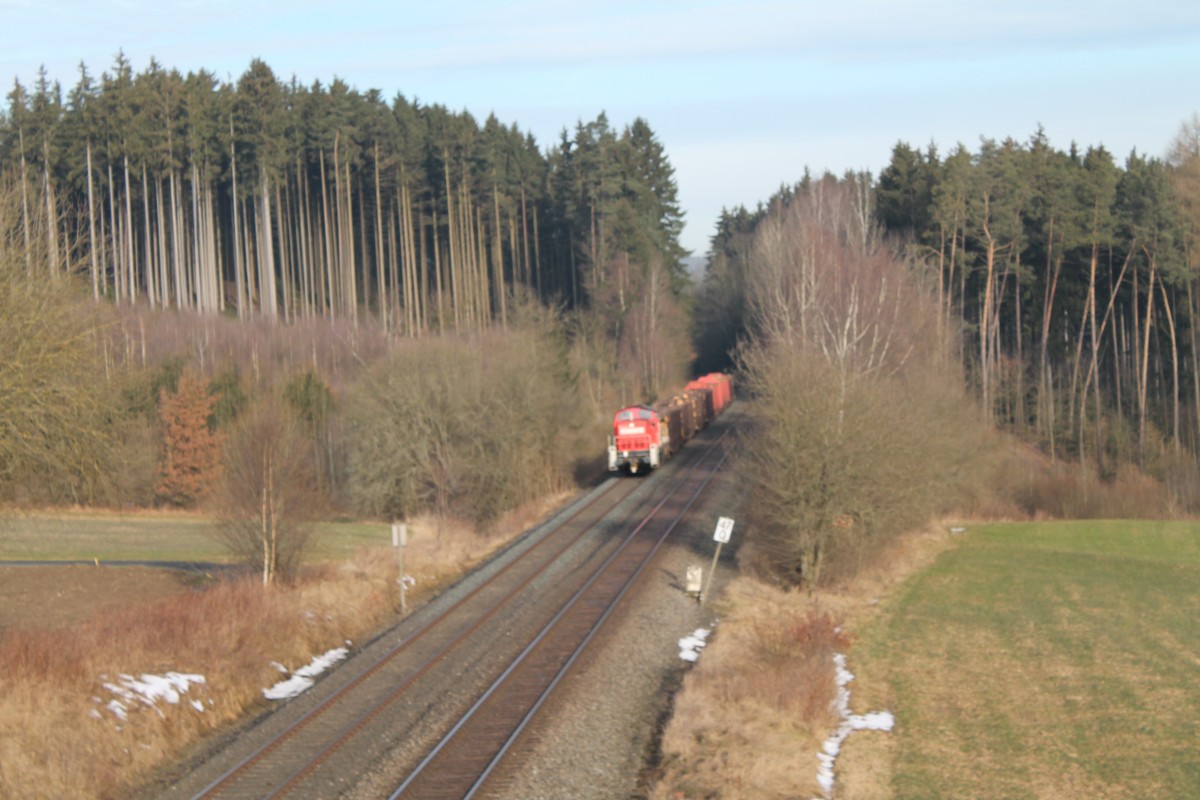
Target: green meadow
{"x": 1045, "y": 660}
{"x": 146, "y": 536}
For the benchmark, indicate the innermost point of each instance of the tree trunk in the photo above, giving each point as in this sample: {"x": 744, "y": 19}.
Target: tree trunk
{"x": 25, "y": 203}
{"x": 237, "y": 249}
{"x": 1144, "y": 370}
{"x": 382, "y": 292}
{"x": 131, "y": 279}
{"x": 1175, "y": 440}
{"x": 455, "y": 299}
{"x": 498, "y": 260}
{"x": 985, "y": 318}
{"x": 1094, "y": 367}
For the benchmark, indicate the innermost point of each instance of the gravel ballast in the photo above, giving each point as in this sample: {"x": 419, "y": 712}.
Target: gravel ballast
{"x": 596, "y": 739}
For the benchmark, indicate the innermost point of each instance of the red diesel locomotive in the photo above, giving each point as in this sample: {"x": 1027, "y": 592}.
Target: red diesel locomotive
{"x": 644, "y": 437}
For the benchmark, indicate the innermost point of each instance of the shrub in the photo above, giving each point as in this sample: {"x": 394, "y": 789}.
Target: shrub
{"x": 190, "y": 449}
{"x": 53, "y": 436}
{"x": 469, "y": 426}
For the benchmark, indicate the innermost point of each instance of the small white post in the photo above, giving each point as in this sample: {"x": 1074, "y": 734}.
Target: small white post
{"x": 400, "y": 541}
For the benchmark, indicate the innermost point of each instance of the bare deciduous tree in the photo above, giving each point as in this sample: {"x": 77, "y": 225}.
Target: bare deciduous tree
{"x": 269, "y": 492}
{"x": 860, "y": 427}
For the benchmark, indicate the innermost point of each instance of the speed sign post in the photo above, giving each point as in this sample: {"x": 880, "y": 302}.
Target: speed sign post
{"x": 720, "y": 536}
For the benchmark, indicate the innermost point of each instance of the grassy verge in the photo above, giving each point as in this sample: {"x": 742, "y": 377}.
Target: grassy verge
{"x": 753, "y": 714}
{"x": 155, "y": 536}
{"x": 759, "y": 702}
{"x": 1046, "y": 660}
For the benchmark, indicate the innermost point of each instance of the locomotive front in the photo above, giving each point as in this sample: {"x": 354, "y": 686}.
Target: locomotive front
{"x": 637, "y": 440}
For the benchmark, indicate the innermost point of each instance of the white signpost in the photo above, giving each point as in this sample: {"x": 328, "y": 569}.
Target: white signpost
{"x": 721, "y": 537}
{"x": 400, "y": 541}
{"x": 724, "y": 528}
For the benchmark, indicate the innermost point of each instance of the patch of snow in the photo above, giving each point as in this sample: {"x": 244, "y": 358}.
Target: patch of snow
{"x": 875, "y": 721}
{"x": 303, "y": 678}
{"x": 690, "y": 646}
{"x": 118, "y": 709}
{"x": 148, "y": 690}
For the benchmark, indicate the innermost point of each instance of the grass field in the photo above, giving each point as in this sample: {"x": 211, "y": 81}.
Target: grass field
{"x": 1044, "y": 660}
{"x": 154, "y": 536}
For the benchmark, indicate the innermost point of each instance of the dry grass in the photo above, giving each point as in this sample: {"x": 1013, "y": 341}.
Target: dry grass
{"x": 52, "y": 682}
{"x": 59, "y": 739}
{"x": 753, "y": 712}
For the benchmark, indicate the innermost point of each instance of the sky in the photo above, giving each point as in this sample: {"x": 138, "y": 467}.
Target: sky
{"x": 743, "y": 96}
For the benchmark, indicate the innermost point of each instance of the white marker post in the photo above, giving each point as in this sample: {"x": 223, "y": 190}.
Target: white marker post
{"x": 720, "y": 536}
{"x": 400, "y": 541}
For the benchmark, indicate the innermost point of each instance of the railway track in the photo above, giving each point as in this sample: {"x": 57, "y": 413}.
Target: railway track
{"x": 478, "y": 666}
{"x": 461, "y": 763}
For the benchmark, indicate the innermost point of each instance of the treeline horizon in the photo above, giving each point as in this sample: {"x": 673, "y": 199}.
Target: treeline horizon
{"x": 1068, "y": 280}
{"x": 264, "y": 197}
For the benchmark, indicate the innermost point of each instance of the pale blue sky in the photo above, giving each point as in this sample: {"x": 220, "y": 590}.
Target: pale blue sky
{"x": 743, "y": 95}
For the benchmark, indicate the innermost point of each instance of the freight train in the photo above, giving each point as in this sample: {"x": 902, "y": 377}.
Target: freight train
{"x": 644, "y": 437}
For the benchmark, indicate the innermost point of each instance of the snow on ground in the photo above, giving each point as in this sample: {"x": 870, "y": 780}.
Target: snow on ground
{"x": 303, "y": 678}
{"x": 149, "y": 690}
{"x": 690, "y": 646}
{"x": 876, "y": 721}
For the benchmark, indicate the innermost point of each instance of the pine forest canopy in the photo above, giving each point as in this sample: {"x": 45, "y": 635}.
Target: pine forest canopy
{"x": 286, "y": 201}
{"x": 1071, "y": 279}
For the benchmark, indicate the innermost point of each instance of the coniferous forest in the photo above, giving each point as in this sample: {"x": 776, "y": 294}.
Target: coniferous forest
{"x": 1066, "y": 279}
{"x": 267, "y": 198}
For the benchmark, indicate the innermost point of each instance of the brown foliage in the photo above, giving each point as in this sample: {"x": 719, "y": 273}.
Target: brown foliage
{"x": 191, "y": 452}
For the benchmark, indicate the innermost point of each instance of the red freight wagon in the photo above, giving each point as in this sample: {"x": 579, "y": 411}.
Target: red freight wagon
{"x": 722, "y": 390}
{"x": 638, "y": 440}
